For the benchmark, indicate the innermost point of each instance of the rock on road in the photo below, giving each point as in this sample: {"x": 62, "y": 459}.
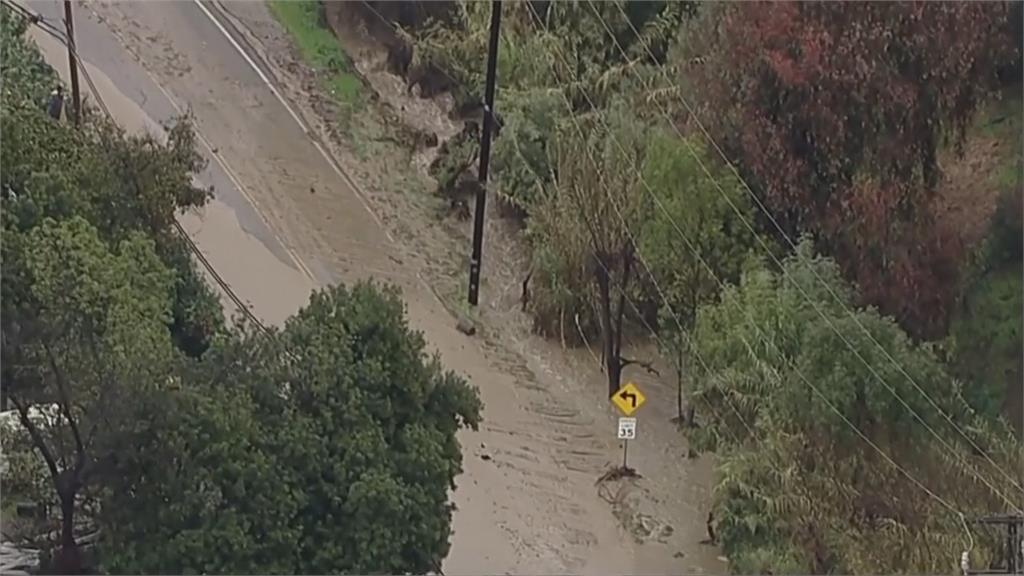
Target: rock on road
{"x": 286, "y": 220}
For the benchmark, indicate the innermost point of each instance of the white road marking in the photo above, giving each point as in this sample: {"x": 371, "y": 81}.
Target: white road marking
{"x": 252, "y": 64}
{"x": 327, "y": 158}
{"x": 298, "y": 120}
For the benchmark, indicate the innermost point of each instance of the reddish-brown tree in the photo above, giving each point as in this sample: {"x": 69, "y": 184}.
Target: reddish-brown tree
{"x": 838, "y": 110}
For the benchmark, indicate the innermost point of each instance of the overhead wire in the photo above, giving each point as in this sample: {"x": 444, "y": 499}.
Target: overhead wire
{"x": 650, "y": 274}
{"x": 394, "y": 26}
{"x": 799, "y": 373}
{"x": 816, "y": 307}
{"x": 621, "y": 292}
{"x": 761, "y": 206}
{"x": 776, "y": 465}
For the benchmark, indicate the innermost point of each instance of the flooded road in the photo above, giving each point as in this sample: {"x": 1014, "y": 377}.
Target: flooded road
{"x": 229, "y": 231}
{"x": 287, "y": 219}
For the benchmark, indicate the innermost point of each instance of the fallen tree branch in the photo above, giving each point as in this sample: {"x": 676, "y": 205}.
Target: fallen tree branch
{"x": 617, "y": 473}
{"x": 623, "y": 361}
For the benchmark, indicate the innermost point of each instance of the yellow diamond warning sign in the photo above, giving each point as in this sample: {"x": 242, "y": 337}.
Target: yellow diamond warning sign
{"x": 628, "y": 399}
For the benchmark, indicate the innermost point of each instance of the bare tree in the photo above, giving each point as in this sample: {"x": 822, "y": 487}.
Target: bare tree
{"x": 598, "y": 203}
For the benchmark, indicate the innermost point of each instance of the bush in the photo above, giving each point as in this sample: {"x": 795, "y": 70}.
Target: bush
{"x": 788, "y": 401}
{"x": 985, "y": 337}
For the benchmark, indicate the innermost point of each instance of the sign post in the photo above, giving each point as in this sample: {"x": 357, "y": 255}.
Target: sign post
{"x": 627, "y": 432}
{"x": 628, "y": 400}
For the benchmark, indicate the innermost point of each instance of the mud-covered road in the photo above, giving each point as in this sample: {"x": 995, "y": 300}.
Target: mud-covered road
{"x": 289, "y": 216}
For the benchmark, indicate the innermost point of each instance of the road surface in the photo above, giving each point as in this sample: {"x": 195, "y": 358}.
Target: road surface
{"x": 287, "y": 219}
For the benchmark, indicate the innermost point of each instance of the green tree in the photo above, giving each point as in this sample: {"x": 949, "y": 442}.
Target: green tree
{"x": 521, "y": 157}
{"x": 327, "y": 447}
{"x": 381, "y": 417}
{"x": 338, "y": 455}
{"x": 692, "y": 239}
{"x": 799, "y": 485}
{"x": 119, "y": 183}
{"x": 29, "y": 81}
{"x": 198, "y": 487}
{"x": 548, "y": 50}
{"x": 88, "y": 275}
{"x": 97, "y": 339}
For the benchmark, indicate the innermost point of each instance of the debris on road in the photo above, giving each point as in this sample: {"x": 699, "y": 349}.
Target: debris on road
{"x": 466, "y": 326}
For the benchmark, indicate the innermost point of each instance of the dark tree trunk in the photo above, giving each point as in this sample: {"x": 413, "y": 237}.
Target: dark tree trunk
{"x": 679, "y": 386}
{"x": 613, "y": 366}
{"x": 615, "y": 377}
{"x": 69, "y": 559}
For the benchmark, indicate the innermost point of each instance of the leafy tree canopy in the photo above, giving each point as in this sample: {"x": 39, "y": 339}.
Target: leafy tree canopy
{"x": 696, "y": 224}
{"x": 332, "y": 449}
{"x": 95, "y": 341}
{"x": 120, "y": 184}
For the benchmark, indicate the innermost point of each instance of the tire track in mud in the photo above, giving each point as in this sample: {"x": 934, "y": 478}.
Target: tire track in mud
{"x": 565, "y": 441}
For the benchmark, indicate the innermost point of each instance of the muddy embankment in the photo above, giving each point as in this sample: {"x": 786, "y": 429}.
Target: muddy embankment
{"x": 426, "y": 117}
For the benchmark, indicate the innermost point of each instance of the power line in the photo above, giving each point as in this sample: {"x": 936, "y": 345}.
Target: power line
{"x": 765, "y": 339}
{"x": 831, "y": 291}
{"x": 792, "y": 245}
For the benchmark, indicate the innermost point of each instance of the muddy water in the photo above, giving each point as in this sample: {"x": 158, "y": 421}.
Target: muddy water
{"x": 254, "y": 265}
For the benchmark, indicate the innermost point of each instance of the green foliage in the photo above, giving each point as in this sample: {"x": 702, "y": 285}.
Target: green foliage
{"x": 197, "y": 489}
{"x": 455, "y": 159}
{"x": 590, "y": 213}
{"x": 89, "y": 336}
{"x": 549, "y": 51}
{"x": 120, "y": 184}
{"x": 305, "y": 21}
{"x": 88, "y": 284}
{"x": 985, "y": 336}
{"x": 328, "y": 447}
{"x": 196, "y": 315}
{"x": 521, "y": 157}
{"x": 381, "y": 419}
{"x": 30, "y": 81}
{"x": 694, "y": 225}
{"x": 332, "y": 450}
{"x": 798, "y": 484}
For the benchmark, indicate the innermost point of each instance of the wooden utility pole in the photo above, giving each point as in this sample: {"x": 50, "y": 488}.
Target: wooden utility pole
{"x": 485, "y": 156}
{"x": 1014, "y": 552}
{"x": 76, "y": 97}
